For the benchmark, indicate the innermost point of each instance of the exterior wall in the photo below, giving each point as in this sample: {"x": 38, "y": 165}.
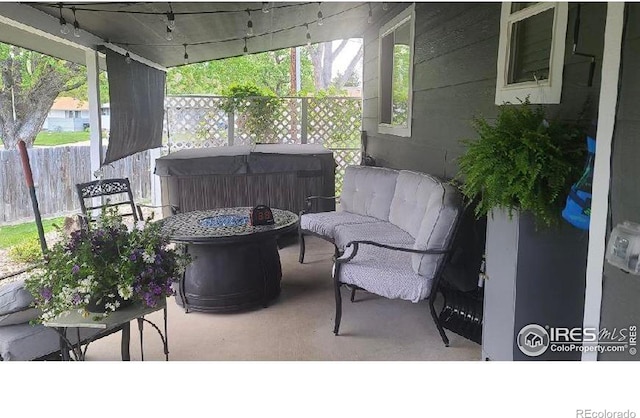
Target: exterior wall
{"x": 621, "y": 291}
{"x": 56, "y": 113}
{"x": 454, "y": 79}
{"x": 65, "y": 124}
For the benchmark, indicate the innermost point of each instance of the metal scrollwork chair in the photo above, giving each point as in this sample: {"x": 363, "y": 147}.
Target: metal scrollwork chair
{"x": 110, "y": 187}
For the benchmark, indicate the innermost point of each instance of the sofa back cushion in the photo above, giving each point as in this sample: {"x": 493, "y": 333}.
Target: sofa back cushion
{"x": 437, "y": 229}
{"x": 368, "y": 191}
{"x": 414, "y": 193}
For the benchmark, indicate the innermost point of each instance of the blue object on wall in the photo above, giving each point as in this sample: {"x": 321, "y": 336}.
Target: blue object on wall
{"x": 577, "y": 211}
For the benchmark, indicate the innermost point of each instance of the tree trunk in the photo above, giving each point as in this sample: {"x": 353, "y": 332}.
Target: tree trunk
{"x": 348, "y": 72}
{"x": 24, "y": 106}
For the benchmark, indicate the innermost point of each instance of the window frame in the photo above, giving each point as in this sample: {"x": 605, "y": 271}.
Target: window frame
{"x": 407, "y": 15}
{"x": 547, "y": 91}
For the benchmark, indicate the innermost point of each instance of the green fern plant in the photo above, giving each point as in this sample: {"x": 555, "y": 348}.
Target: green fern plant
{"x": 523, "y": 162}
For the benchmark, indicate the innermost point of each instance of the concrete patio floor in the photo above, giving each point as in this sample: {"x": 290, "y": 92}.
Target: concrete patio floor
{"x": 298, "y": 325}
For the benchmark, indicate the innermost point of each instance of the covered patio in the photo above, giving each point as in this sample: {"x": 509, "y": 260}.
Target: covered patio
{"x": 458, "y": 70}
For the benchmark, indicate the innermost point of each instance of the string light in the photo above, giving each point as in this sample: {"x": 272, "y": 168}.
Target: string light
{"x": 171, "y": 18}
{"x": 64, "y": 28}
{"x": 370, "y": 18}
{"x": 219, "y": 41}
{"x": 320, "y": 17}
{"x": 249, "y": 24}
{"x": 186, "y": 55}
{"x": 127, "y": 58}
{"x": 265, "y": 7}
{"x": 169, "y": 35}
{"x": 76, "y": 25}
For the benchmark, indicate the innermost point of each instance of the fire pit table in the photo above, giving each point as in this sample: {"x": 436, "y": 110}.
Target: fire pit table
{"x": 235, "y": 266}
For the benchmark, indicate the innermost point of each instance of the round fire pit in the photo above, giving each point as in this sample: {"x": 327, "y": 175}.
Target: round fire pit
{"x": 235, "y": 266}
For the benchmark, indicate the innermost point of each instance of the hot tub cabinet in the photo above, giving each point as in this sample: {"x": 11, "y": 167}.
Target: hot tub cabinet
{"x": 279, "y": 176}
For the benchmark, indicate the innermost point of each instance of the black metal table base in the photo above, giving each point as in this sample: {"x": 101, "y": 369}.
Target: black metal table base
{"x": 231, "y": 277}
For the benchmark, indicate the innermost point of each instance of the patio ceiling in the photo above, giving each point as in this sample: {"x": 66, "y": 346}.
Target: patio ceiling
{"x": 211, "y": 30}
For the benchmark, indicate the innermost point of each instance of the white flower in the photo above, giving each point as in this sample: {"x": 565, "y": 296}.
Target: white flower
{"x": 125, "y": 292}
{"x": 148, "y": 258}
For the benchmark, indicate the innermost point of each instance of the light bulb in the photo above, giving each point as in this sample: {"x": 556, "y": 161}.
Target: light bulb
{"x": 250, "y": 28}
{"x": 64, "y": 28}
{"x": 76, "y": 29}
{"x": 245, "y": 51}
{"x": 127, "y": 58}
{"x": 169, "y": 35}
{"x": 308, "y": 36}
{"x": 320, "y": 18}
{"x": 265, "y": 7}
{"x": 171, "y": 21}
{"x": 385, "y": 6}
{"x": 186, "y": 58}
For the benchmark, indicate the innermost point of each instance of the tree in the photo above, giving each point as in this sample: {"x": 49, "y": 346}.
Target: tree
{"x": 266, "y": 70}
{"x": 29, "y": 84}
{"x": 323, "y": 57}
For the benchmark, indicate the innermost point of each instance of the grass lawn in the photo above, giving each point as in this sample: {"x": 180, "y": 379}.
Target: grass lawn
{"x": 59, "y": 138}
{"x": 15, "y": 234}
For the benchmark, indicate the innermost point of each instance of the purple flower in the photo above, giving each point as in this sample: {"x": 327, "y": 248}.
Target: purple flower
{"x": 133, "y": 256}
{"x": 46, "y": 293}
{"x": 77, "y": 298}
{"x": 75, "y": 269}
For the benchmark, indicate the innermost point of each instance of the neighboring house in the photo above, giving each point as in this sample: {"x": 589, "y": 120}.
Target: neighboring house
{"x": 71, "y": 115}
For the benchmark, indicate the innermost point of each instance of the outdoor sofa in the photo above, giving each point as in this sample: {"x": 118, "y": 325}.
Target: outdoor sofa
{"x": 393, "y": 234}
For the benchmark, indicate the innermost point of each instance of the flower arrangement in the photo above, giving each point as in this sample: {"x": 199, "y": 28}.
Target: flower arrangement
{"x": 107, "y": 265}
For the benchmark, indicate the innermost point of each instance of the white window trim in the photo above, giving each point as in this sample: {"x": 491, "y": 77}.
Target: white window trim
{"x": 407, "y": 14}
{"x": 541, "y": 92}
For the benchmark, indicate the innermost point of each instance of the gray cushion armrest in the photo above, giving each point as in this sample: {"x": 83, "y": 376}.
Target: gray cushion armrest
{"x": 356, "y": 244}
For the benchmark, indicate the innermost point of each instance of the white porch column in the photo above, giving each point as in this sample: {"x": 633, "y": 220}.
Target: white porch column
{"x": 602, "y": 169}
{"x": 154, "y": 154}
{"x": 95, "y": 132}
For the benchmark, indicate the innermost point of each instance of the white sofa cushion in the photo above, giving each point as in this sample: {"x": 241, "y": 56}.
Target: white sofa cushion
{"x": 436, "y": 229}
{"x": 413, "y": 193}
{"x": 324, "y": 223}
{"x": 368, "y": 191}
{"x": 20, "y": 317}
{"x": 14, "y": 297}
{"x": 382, "y": 232}
{"x": 29, "y": 342}
{"x": 386, "y": 273}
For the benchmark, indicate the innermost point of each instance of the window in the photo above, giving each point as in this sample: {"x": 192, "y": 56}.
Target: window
{"x": 395, "y": 74}
{"x": 531, "y": 52}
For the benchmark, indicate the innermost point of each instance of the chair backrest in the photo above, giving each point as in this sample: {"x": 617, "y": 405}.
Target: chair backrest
{"x": 102, "y": 188}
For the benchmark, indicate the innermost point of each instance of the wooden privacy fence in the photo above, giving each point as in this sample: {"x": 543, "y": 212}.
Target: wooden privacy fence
{"x": 56, "y": 171}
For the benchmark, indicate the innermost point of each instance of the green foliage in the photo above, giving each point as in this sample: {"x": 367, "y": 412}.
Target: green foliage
{"x": 255, "y": 108}
{"x": 28, "y": 251}
{"x": 269, "y": 70}
{"x": 522, "y": 162}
